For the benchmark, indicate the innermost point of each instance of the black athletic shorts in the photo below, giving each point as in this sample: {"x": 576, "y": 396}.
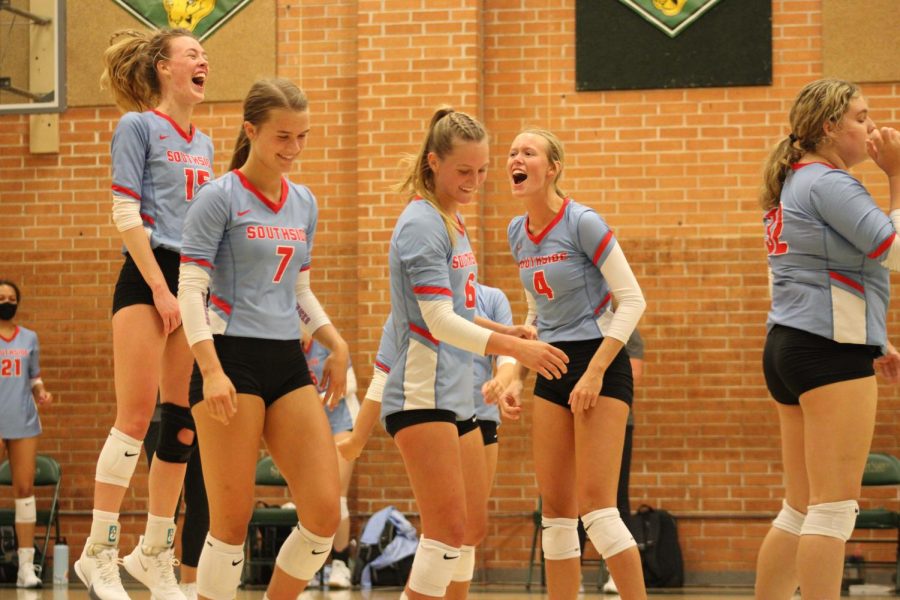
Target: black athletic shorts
{"x": 617, "y": 381}
{"x": 269, "y": 369}
{"x": 394, "y": 422}
{"x": 466, "y": 425}
{"x": 489, "y": 431}
{"x": 131, "y": 287}
{"x": 796, "y": 361}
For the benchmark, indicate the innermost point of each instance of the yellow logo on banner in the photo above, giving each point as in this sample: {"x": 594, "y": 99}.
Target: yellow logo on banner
{"x": 187, "y": 13}
{"x": 670, "y": 16}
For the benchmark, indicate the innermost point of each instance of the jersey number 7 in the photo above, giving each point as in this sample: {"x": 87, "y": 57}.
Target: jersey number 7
{"x": 286, "y": 253}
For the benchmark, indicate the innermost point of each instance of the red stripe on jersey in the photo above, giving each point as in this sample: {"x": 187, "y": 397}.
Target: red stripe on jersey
{"x": 798, "y": 166}
{"x": 127, "y": 192}
{"x": 199, "y": 261}
{"x": 11, "y": 338}
{"x": 147, "y": 219}
{"x": 536, "y": 239}
{"x": 224, "y": 306}
{"x": 602, "y": 305}
{"x": 883, "y": 247}
{"x": 432, "y": 289}
{"x": 187, "y": 137}
{"x": 382, "y": 367}
{"x": 847, "y": 281}
{"x": 603, "y": 244}
{"x": 262, "y": 198}
{"x": 305, "y": 268}
{"x": 424, "y": 333}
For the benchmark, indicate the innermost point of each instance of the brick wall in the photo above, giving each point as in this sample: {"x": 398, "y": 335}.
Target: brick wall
{"x": 675, "y": 172}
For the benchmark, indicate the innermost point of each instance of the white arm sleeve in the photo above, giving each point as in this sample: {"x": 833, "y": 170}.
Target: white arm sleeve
{"x": 531, "y": 316}
{"x": 449, "y": 327}
{"x": 312, "y": 315}
{"x": 892, "y": 260}
{"x": 625, "y": 289}
{"x": 126, "y": 213}
{"x": 193, "y": 283}
{"x": 505, "y": 360}
{"x": 351, "y": 382}
{"x": 376, "y": 386}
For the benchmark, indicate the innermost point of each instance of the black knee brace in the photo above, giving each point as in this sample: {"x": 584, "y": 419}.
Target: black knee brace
{"x": 172, "y": 420}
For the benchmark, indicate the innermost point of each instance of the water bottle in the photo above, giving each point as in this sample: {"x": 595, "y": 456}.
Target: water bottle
{"x": 61, "y": 563}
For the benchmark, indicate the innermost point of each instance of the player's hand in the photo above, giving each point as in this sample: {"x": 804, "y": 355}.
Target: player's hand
{"x": 526, "y": 332}
{"x": 42, "y": 396}
{"x": 220, "y": 397}
{"x": 585, "y": 393}
{"x": 350, "y": 448}
{"x": 888, "y": 366}
{"x": 491, "y": 390}
{"x": 167, "y": 306}
{"x": 539, "y": 356}
{"x": 334, "y": 377}
{"x": 883, "y": 146}
{"x": 511, "y": 401}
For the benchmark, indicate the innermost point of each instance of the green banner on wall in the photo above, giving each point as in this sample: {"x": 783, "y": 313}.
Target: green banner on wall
{"x": 670, "y": 16}
{"x": 202, "y": 17}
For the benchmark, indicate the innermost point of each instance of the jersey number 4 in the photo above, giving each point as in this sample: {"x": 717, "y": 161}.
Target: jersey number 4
{"x": 190, "y": 176}
{"x": 541, "y": 286}
{"x": 774, "y": 227}
{"x": 10, "y": 367}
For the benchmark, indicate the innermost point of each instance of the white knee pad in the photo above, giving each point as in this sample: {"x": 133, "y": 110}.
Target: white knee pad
{"x": 25, "y": 510}
{"x": 788, "y": 519}
{"x": 831, "y": 519}
{"x": 219, "y": 569}
{"x": 559, "y": 538}
{"x": 118, "y": 459}
{"x": 345, "y": 510}
{"x": 465, "y": 566}
{"x": 607, "y": 531}
{"x": 433, "y": 567}
{"x": 303, "y": 553}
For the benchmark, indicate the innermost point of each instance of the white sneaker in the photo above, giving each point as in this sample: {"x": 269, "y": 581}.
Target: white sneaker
{"x": 155, "y": 571}
{"x": 610, "y": 586}
{"x": 189, "y": 590}
{"x": 340, "y": 575}
{"x": 98, "y": 569}
{"x": 27, "y": 576}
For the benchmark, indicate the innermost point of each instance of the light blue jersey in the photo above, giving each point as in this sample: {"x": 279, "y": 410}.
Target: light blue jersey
{"x": 491, "y": 304}
{"x": 826, "y": 240}
{"x": 428, "y": 374}
{"x": 341, "y": 418}
{"x": 253, "y": 250}
{"x": 160, "y": 166}
{"x": 560, "y": 268}
{"x": 19, "y": 365}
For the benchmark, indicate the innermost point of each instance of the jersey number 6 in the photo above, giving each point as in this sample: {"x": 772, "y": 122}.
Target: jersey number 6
{"x": 470, "y": 291}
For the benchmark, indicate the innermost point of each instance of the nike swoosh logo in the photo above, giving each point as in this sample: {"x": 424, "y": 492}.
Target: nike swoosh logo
{"x": 140, "y": 562}
{"x": 317, "y": 553}
{"x": 450, "y": 557}
{"x": 545, "y": 527}
{"x": 208, "y": 543}
{"x": 130, "y": 455}
{"x": 243, "y": 212}
{"x": 163, "y": 137}
{"x": 235, "y": 563}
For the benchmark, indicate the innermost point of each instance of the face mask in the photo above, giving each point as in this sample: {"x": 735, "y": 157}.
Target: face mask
{"x": 8, "y": 311}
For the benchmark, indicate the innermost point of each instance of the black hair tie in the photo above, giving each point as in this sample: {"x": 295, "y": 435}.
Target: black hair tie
{"x": 792, "y": 137}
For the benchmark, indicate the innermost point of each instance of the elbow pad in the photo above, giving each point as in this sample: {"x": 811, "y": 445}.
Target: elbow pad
{"x": 449, "y": 327}
{"x": 312, "y": 315}
{"x": 126, "y": 213}
{"x": 193, "y": 283}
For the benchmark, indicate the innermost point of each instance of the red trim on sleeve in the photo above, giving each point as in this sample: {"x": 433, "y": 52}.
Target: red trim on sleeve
{"x": 187, "y": 137}
{"x": 424, "y": 333}
{"x": 847, "y": 281}
{"x": 882, "y": 248}
{"x": 602, "y": 304}
{"x": 199, "y": 261}
{"x": 262, "y": 198}
{"x": 306, "y": 268}
{"x": 224, "y": 306}
{"x": 15, "y": 333}
{"x": 602, "y": 247}
{"x": 432, "y": 289}
{"x": 536, "y": 239}
{"x": 127, "y": 192}
{"x": 382, "y": 367}
{"x": 147, "y": 219}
